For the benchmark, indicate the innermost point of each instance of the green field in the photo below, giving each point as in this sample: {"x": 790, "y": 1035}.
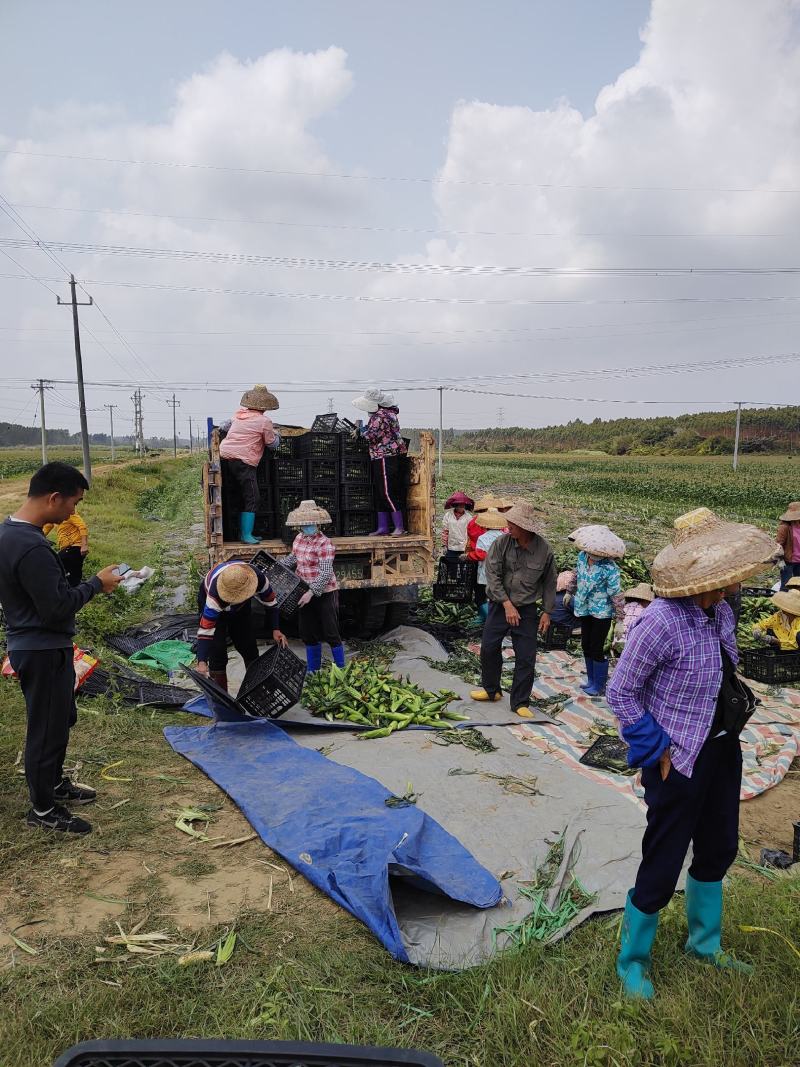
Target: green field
{"x": 303, "y": 968}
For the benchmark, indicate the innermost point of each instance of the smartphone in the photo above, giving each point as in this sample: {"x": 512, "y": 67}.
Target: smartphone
{"x": 122, "y": 569}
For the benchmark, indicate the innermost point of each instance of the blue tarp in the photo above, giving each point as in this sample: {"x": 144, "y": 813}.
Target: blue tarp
{"x": 331, "y": 823}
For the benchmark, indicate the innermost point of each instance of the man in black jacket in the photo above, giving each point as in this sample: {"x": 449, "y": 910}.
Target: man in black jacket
{"x": 40, "y": 607}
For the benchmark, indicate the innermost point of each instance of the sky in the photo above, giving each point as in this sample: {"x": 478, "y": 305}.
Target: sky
{"x": 551, "y": 210}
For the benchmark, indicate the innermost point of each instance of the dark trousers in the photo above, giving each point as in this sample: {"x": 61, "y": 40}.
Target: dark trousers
{"x": 789, "y": 570}
{"x": 319, "y": 620}
{"x": 236, "y": 625}
{"x": 73, "y": 564}
{"x": 523, "y": 639}
{"x": 245, "y": 475}
{"x": 47, "y": 680}
{"x": 702, "y": 811}
{"x": 593, "y": 636}
{"x": 389, "y": 483}
{"x": 480, "y": 595}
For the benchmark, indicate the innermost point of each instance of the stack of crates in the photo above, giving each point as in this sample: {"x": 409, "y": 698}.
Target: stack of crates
{"x": 357, "y": 510}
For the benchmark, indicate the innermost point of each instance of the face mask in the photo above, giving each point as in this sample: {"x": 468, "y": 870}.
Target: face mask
{"x": 309, "y": 531}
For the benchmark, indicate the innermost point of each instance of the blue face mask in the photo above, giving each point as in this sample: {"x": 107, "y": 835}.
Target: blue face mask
{"x": 309, "y": 531}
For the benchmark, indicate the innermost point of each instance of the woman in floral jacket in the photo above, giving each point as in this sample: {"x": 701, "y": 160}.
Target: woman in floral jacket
{"x": 598, "y": 598}
{"x": 387, "y": 452}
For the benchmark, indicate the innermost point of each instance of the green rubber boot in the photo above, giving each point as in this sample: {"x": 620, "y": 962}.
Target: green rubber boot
{"x": 246, "y": 522}
{"x": 636, "y": 943}
{"x": 704, "y": 914}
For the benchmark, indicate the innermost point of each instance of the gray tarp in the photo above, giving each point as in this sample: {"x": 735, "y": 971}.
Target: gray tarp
{"x": 508, "y": 833}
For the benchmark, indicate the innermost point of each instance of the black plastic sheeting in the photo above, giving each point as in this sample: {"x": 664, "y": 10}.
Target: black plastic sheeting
{"x": 162, "y": 628}
{"x": 133, "y": 688}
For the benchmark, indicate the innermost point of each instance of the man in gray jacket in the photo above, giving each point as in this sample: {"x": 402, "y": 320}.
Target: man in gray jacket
{"x": 520, "y": 571}
{"x": 40, "y": 607}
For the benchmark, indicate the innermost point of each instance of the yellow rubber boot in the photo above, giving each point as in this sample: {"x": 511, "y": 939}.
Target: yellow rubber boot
{"x": 524, "y": 713}
{"x": 484, "y": 697}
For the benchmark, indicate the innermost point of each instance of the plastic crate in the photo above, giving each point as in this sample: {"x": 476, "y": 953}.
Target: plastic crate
{"x": 265, "y": 524}
{"x": 455, "y": 580}
{"x": 771, "y": 667}
{"x": 321, "y": 472}
{"x": 290, "y": 471}
{"x": 608, "y": 754}
{"x": 286, "y": 448}
{"x": 321, "y": 445}
{"x": 756, "y": 590}
{"x": 272, "y": 684}
{"x": 204, "y": 1052}
{"x": 331, "y": 423}
{"x": 356, "y": 497}
{"x": 355, "y": 469}
{"x": 353, "y": 447}
{"x": 356, "y": 523}
{"x": 327, "y": 497}
{"x": 288, "y": 588}
{"x": 556, "y": 639}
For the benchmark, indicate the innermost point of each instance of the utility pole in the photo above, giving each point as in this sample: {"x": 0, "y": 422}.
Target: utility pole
{"x": 75, "y": 304}
{"x": 40, "y": 388}
{"x": 174, "y": 404}
{"x": 191, "y": 439}
{"x": 138, "y": 429}
{"x": 736, "y": 442}
{"x": 441, "y": 391}
{"x": 111, "y": 413}
{"x": 330, "y": 405}
{"x": 500, "y": 418}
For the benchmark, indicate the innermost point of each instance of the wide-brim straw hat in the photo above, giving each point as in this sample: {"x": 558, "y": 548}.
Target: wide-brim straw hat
{"x": 308, "y": 513}
{"x": 793, "y": 583}
{"x": 708, "y": 553}
{"x": 237, "y": 583}
{"x": 491, "y": 519}
{"x": 370, "y": 401}
{"x": 642, "y": 591}
{"x": 787, "y": 600}
{"x": 260, "y": 399}
{"x": 792, "y": 513}
{"x": 522, "y": 514}
{"x": 459, "y": 500}
{"x": 598, "y": 541}
{"x": 491, "y": 501}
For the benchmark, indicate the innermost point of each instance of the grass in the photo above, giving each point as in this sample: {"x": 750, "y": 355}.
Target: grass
{"x": 18, "y": 461}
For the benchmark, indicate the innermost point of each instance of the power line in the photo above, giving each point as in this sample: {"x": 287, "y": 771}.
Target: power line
{"x": 438, "y": 180}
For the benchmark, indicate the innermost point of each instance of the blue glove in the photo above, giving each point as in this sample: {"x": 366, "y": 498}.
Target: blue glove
{"x": 646, "y": 741}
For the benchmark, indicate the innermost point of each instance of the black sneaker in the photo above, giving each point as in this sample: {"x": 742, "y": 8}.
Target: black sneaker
{"x": 59, "y": 819}
{"x": 69, "y": 792}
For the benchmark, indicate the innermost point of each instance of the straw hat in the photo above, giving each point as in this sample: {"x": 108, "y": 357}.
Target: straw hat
{"x": 708, "y": 553}
{"x": 459, "y": 500}
{"x": 491, "y": 519}
{"x": 370, "y": 401}
{"x": 307, "y": 514}
{"x": 792, "y": 513}
{"x": 788, "y": 601}
{"x": 598, "y": 541}
{"x": 236, "y": 583}
{"x": 260, "y": 399}
{"x": 642, "y": 591}
{"x": 522, "y": 514}
{"x": 490, "y": 501}
{"x": 793, "y": 583}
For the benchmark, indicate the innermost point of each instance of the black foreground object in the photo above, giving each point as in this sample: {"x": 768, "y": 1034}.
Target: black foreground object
{"x": 288, "y": 588}
{"x": 608, "y": 754}
{"x": 272, "y": 684}
{"x": 133, "y": 688}
{"x": 213, "y": 1053}
{"x": 182, "y": 627}
{"x": 772, "y": 667}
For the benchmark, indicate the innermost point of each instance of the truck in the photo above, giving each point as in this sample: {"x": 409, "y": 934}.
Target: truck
{"x": 378, "y": 576}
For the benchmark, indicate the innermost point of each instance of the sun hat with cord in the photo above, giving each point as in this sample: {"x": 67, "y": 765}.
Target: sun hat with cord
{"x": 491, "y": 519}
{"x": 523, "y": 514}
{"x": 598, "y": 541}
{"x": 459, "y": 499}
{"x": 793, "y": 583}
{"x": 387, "y": 400}
{"x": 492, "y": 501}
{"x": 792, "y": 513}
{"x": 709, "y": 553}
{"x": 259, "y": 398}
{"x": 308, "y": 513}
{"x": 642, "y": 591}
{"x": 369, "y": 401}
{"x": 787, "y": 600}
{"x": 236, "y": 583}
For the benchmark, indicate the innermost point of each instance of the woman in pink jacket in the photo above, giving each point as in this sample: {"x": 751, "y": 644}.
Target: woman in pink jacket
{"x": 250, "y": 433}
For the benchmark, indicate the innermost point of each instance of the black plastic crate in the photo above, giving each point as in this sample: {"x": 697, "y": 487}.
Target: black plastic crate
{"x": 556, "y": 639}
{"x": 290, "y": 471}
{"x": 265, "y": 471}
{"x": 322, "y": 472}
{"x": 272, "y": 684}
{"x": 287, "y": 586}
{"x": 455, "y": 580}
{"x": 756, "y": 590}
{"x": 353, "y": 447}
{"x": 265, "y": 524}
{"x": 321, "y": 445}
{"x": 355, "y": 469}
{"x": 330, "y": 422}
{"x": 770, "y": 666}
{"x": 356, "y": 497}
{"x": 286, "y": 448}
{"x": 356, "y": 523}
{"x": 215, "y": 1052}
{"x": 327, "y": 497}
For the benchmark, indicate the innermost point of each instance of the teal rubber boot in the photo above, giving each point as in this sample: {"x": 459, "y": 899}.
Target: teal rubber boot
{"x": 246, "y": 522}
{"x": 600, "y": 675}
{"x": 589, "y": 675}
{"x": 636, "y": 944}
{"x": 704, "y": 914}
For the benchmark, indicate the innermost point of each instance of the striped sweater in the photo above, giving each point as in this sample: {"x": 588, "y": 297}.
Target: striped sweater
{"x": 216, "y": 606}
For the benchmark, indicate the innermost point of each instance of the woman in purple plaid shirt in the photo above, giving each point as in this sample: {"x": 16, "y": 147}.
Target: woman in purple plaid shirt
{"x": 665, "y": 693}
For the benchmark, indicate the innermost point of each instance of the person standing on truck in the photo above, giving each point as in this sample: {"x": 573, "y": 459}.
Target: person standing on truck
{"x": 40, "y": 608}
{"x": 72, "y": 541}
{"x": 250, "y": 433}
{"x": 520, "y": 570}
{"x": 387, "y": 452}
{"x": 788, "y": 538}
{"x": 312, "y": 558}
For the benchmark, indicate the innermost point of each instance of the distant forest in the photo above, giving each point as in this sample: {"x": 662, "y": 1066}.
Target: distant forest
{"x": 12, "y": 435}
{"x": 707, "y": 433}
